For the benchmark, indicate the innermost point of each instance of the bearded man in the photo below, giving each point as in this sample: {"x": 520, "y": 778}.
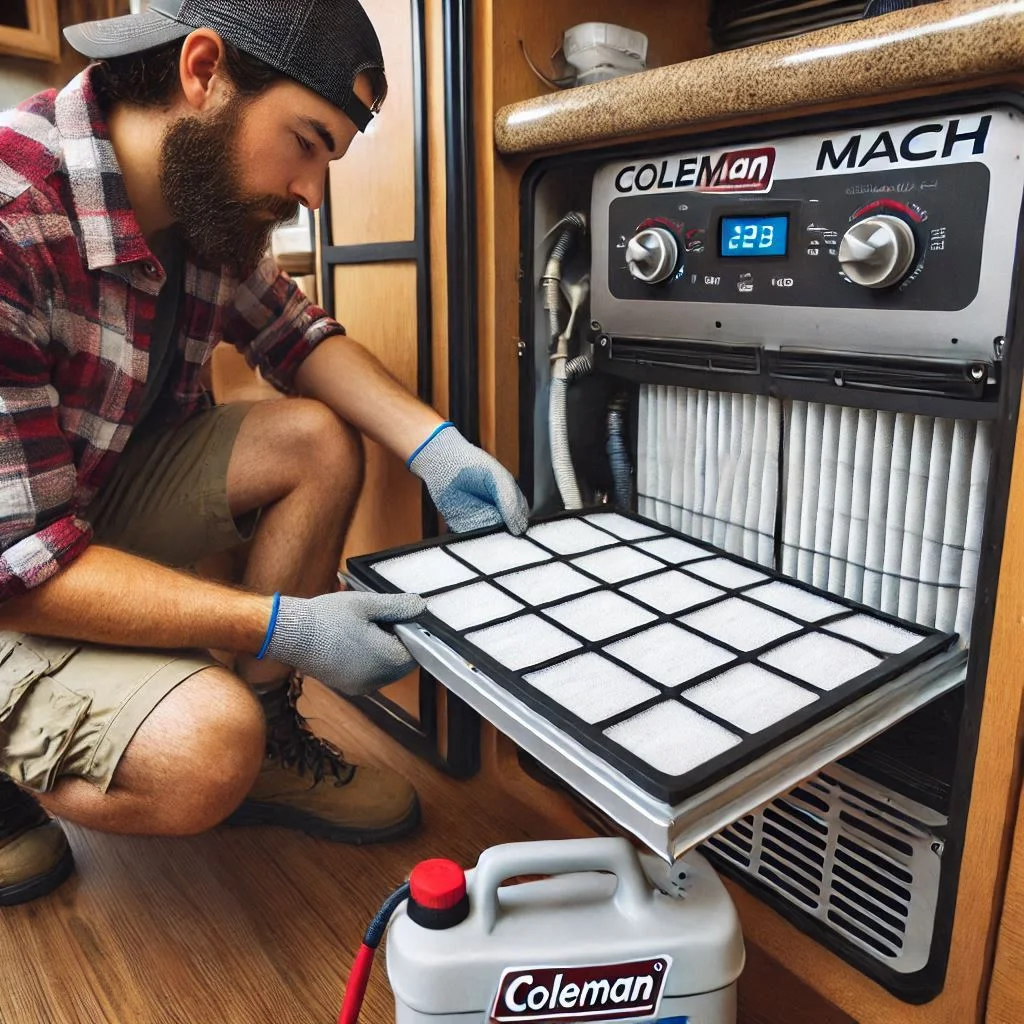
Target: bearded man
{"x": 135, "y": 210}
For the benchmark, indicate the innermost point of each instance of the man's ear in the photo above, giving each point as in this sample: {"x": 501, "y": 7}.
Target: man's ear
{"x": 203, "y": 80}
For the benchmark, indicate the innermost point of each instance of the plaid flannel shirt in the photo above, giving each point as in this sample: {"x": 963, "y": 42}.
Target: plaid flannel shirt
{"x": 78, "y": 289}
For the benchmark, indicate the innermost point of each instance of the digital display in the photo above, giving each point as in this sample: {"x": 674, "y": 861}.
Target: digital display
{"x": 754, "y": 236}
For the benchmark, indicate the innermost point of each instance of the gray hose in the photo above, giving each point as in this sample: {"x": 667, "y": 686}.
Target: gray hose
{"x": 618, "y": 456}
{"x": 566, "y": 232}
{"x": 558, "y": 428}
{"x": 578, "y": 367}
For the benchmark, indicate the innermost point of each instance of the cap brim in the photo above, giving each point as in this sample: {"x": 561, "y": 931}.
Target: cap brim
{"x": 116, "y": 37}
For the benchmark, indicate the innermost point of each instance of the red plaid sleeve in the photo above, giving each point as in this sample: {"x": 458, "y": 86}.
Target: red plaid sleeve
{"x": 275, "y": 326}
{"x": 39, "y": 532}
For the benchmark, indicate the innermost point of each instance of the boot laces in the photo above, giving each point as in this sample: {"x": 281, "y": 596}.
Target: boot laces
{"x": 291, "y": 741}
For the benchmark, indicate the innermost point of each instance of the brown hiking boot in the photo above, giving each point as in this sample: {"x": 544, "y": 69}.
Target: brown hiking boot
{"x": 34, "y": 853}
{"x": 307, "y": 784}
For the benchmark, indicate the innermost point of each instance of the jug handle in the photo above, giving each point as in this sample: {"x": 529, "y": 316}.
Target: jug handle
{"x": 559, "y": 857}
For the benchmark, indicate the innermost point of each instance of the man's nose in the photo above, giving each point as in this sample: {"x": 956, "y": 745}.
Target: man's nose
{"x": 309, "y": 191}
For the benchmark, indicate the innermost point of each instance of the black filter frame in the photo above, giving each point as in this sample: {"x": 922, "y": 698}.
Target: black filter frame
{"x": 672, "y": 789}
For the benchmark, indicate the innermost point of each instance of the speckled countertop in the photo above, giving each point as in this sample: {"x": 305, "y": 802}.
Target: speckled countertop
{"x": 953, "y": 41}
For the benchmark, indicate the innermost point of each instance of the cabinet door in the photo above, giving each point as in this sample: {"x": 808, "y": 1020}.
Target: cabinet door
{"x": 382, "y": 272}
{"x": 371, "y": 281}
{"x": 29, "y": 28}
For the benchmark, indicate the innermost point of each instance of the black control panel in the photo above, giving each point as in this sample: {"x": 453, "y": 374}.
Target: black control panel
{"x": 784, "y": 247}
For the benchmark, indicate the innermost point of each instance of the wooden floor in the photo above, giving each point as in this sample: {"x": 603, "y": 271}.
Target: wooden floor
{"x": 251, "y": 925}
{"x": 260, "y": 926}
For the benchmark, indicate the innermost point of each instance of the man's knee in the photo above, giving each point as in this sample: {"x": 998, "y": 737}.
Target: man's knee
{"x": 330, "y": 449}
{"x": 198, "y": 753}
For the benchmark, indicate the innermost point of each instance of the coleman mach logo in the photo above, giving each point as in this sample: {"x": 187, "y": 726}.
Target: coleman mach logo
{"x": 739, "y": 170}
{"x": 605, "y": 992}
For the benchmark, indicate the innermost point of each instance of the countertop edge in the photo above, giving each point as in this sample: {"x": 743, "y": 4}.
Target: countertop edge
{"x": 947, "y": 43}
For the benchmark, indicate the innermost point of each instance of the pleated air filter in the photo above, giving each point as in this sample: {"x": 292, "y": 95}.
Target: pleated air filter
{"x": 673, "y": 660}
{"x": 886, "y": 509}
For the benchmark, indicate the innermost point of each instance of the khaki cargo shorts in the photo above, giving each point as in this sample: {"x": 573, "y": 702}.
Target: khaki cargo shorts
{"x": 70, "y": 709}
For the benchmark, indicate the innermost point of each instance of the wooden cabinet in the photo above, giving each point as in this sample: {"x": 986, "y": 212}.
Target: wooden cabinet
{"x": 30, "y": 28}
{"x": 1006, "y": 994}
{"x": 374, "y": 277}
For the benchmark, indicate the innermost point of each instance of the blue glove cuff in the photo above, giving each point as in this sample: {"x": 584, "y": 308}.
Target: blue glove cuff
{"x": 270, "y": 628}
{"x": 437, "y": 430}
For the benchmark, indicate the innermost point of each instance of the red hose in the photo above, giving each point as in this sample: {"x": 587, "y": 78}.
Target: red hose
{"x": 356, "y": 988}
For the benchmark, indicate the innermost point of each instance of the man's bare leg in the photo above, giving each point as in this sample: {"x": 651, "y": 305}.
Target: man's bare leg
{"x": 304, "y": 467}
{"x": 187, "y": 768}
{"x": 199, "y": 753}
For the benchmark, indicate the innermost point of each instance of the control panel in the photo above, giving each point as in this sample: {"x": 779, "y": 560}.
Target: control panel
{"x": 895, "y": 239}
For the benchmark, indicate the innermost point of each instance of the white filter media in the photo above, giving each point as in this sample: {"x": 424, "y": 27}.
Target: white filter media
{"x": 749, "y": 697}
{"x": 725, "y": 572}
{"x": 672, "y": 738}
{"x": 796, "y": 602}
{"x": 627, "y": 529}
{"x": 599, "y": 616}
{"x": 882, "y": 636}
{"x": 822, "y": 661}
{"x": 523, "y": 642}
{"x": 471, "y": 606}
{"x": 423, "y": 571}
{"x": 591, "y": 687}
{"x": 671, "y": 592}
{"x": 498, "y": 552}
{"x": 673, "y": 550}
{"x": 618, "y": 564}
{"x": 569, "y": 536}
{"x": 669, "y": 655}
{"x": 708, "y": 466}
{"x": 740, "y": 624}
{"x": 547, "y": 583}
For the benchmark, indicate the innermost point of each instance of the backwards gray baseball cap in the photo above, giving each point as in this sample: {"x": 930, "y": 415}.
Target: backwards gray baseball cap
{"x": 322, "y": 44}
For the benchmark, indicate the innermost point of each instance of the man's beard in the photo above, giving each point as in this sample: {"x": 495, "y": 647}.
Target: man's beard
{"x": 200, "y": 179}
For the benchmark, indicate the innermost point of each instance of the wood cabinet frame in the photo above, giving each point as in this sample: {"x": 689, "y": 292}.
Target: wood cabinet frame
{"x": 41, "y": 40}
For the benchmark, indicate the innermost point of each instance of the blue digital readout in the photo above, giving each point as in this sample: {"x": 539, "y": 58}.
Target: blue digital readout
{"x": 754, "y": 236}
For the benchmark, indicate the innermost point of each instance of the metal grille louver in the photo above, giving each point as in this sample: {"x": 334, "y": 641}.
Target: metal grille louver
{"x": 745, "y": 22}
{"x": 852, "y": 854}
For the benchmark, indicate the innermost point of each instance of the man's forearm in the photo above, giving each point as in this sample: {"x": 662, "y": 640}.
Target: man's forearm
{"x": 351, "y": 381}
{"x": 109, "y": 597}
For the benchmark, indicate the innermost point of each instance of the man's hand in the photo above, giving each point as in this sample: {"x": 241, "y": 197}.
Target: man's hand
{"x": 337, "y": 638}
{"x": 471, "y": 489}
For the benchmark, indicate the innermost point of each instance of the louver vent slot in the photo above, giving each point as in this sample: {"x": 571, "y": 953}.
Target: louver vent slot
{"x": 737, "y": 23}
{"x": 851, "y": 854}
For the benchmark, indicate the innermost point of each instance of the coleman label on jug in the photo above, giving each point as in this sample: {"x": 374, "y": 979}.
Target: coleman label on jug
{"x": 602, "y": 992}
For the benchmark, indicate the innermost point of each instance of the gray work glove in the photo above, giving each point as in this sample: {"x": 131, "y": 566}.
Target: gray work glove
{"x": 337, "y": 638}
{"x": 470, "y": 488}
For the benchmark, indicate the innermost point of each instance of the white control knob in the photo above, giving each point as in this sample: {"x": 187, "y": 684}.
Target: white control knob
{"x": 652, "y": 255}
{"x": 877, "y": 252}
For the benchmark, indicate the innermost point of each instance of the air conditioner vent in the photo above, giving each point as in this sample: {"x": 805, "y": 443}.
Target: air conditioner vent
{"x": 858, "y": 857}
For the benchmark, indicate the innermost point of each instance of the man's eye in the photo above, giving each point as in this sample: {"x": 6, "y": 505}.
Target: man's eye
{"x": 304, "y": 144}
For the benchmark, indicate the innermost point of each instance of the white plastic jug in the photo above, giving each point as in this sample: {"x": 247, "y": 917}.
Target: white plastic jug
{"x": 595, "y": 943}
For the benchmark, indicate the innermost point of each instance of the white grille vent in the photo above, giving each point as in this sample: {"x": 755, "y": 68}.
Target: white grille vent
{"x": 708, "y": 466}
{"x": 854, "y": 855}
{"x": 884, "y": 508}
{"x": 887, "y": 509}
